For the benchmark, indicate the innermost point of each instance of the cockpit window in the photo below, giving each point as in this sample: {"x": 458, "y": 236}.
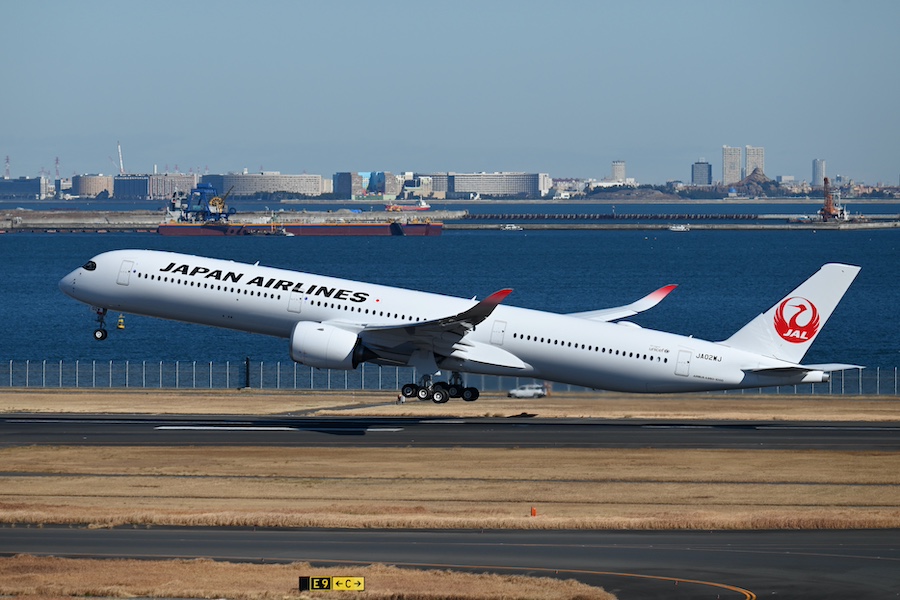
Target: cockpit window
{"x": 89, "y": 265}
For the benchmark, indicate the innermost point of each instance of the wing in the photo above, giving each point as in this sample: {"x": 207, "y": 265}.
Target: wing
{"x": 418, "y": 344}
{"x": 621, "y": 312}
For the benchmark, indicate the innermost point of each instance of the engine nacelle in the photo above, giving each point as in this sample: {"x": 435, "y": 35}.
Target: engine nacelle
{"x": 326, "y": 346}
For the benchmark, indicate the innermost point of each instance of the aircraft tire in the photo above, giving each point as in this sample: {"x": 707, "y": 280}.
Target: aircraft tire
{"x": 455, "y": 391}
{"x": 100, "y": 334}
{"x": 439, "y": 395}
{"x": 470, "y": 394}
{"x": 409, "y": 390}
{"x": 423, "y": 393}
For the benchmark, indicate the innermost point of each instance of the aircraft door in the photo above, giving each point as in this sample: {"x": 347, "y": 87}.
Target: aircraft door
{"x": 683, "y": 365}
{"x": 295, "y": 302}
{"x": 125, "y": 272}
{"x": 498, "y": 332}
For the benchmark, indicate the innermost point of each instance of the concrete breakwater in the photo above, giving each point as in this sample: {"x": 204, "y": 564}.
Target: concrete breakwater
{"x": 147, "y": 220}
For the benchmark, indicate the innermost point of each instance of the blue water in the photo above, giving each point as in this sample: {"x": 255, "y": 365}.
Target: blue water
{"x": 725, "y": 278}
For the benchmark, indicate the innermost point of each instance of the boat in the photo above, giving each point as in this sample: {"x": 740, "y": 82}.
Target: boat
{"x": 680, "y": 227}
{"x": 419, "y": 204}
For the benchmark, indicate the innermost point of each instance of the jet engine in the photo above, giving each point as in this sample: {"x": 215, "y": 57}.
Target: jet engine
{"x": 327, "y": 347}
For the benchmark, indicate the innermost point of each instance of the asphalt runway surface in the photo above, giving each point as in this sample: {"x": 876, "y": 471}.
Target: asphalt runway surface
{"x": 519, "y": 431}
{"x": 651, "y": 564}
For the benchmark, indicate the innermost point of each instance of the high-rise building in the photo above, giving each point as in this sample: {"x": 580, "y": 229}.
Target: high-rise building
{"x": 618, "y": 170}
{"x": 731, "y": 165}
{"x": 818, "y": 172}
{"x": 701, "y": 173}
{"x": 755, "y": 159}
{"x": 348, "y": 185}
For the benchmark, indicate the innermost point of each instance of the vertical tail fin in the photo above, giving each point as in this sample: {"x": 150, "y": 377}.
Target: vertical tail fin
{"x": 788, "y": 329}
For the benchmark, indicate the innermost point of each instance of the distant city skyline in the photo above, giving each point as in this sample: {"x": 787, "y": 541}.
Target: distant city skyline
{"x": 469, "y": 86}
{"x": 737, "y": 164}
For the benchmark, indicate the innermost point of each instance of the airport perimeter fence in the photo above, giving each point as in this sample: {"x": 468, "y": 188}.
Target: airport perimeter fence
{"x": 293, "y": 376}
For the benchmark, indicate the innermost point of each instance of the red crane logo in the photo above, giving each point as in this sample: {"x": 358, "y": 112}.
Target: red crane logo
{"x": 797, "y": 320}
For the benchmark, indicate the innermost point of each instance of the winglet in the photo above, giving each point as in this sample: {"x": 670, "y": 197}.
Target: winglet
{"x": 497, "y": 297}
{"x": 483, "y": 309}
{"x": 620, "y": 312}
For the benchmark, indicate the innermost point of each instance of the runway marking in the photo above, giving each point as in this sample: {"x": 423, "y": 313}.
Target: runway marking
{"x": 260, "y": 428}
{"x": 677, "y": 426}
{"x": 221, "y": 428}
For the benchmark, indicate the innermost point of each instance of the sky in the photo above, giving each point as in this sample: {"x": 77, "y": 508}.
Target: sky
{"x": 556, "y": 87}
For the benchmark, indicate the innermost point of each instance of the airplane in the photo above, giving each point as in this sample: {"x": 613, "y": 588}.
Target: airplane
{"x": 338, "y": 324}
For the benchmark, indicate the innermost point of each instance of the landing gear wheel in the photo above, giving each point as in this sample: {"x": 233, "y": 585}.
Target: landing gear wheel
{"x": 409, "y": 390}
{"x": 423, "y": 393}
{"x": 100, "y": 332}
{"x": 456, "y": 385}
{"x": 439, "y": 395}
{"x": 470, "y": 394}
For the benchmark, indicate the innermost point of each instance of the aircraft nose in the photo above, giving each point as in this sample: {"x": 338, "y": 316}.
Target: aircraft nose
{"x": 67, "y": 283}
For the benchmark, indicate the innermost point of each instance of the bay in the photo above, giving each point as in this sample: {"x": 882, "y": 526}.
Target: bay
{"x": 725, "y": 279}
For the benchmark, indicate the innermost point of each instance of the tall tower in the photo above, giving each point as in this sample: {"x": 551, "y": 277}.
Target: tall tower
{"x": 731, "y": 165}
{"x": 818, "y": 172}
{"x": 701, "y": 173}
{"x": 618, "y": 170}
{"x": 756, "y": 159}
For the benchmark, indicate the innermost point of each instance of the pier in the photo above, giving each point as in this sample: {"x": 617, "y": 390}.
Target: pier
{"x": 146, "y": 221}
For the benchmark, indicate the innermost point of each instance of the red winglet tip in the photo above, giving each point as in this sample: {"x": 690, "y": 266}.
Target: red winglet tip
{"x": 664, "y": 291}
{"x": 497, "y": 297}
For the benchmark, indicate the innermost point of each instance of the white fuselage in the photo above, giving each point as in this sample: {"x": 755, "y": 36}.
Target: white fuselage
{"x": 556, "y": 347}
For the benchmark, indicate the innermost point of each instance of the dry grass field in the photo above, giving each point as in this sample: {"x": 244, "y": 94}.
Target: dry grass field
{"x": 450, "y": 488}
{"x": 28, "y": 576}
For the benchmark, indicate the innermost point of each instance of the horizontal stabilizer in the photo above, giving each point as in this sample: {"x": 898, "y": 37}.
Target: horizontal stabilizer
{"x": 629, "y": 310}
{"x": 829, "y": 367}
{"x": 799, "y": 369}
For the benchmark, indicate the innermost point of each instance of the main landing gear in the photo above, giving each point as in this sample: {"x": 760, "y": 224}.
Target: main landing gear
{"x": 100, "y": 333}
{"x": 440, "y": 391}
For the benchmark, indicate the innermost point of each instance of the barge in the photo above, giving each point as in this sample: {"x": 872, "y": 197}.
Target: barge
{"x": 203, "y": 213}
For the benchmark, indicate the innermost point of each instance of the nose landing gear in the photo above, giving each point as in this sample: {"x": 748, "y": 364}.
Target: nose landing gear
{"x": 100, "y": 333}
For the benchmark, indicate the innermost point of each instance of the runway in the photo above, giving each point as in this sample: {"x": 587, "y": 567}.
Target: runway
{"x": 631, "y": 564}
{"x": 519, "y": 431}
